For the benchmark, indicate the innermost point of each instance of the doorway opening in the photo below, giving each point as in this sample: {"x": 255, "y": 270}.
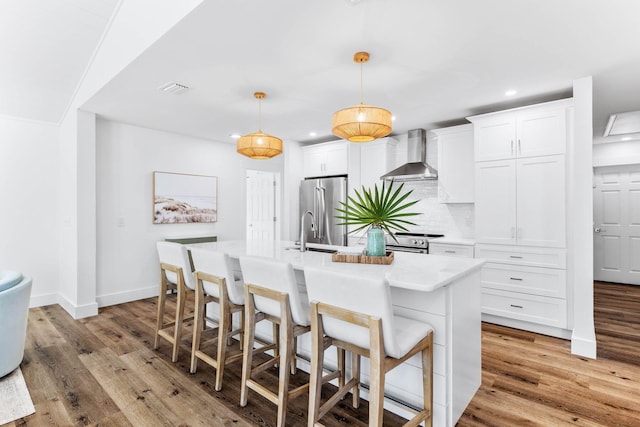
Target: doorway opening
{"x": 616, "y": 218}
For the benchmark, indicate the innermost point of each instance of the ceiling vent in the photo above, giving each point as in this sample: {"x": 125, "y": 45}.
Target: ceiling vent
{"x": 173, "y": 87}
{"x": 623, "y": 123}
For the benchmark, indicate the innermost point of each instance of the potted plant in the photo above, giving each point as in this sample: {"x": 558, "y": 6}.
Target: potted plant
{"x": 378, "y": 211}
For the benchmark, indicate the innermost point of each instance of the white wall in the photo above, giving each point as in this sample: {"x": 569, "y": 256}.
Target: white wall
{"x": 127, "y": 264}
{"x": 29, "y": 216}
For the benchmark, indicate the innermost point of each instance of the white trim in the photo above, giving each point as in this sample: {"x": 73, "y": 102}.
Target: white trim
{"x": 527, "y": 326}
{"x": 78, "y": 312}
{"x": 46, "y": 299}
{"x": 126, "y": 296}
{"x": 584, "y": 347}
{"x": 28, "y": 120}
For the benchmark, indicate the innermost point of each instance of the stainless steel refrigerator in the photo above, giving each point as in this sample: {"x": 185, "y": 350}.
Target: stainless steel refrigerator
{"x": 321, "y": 196}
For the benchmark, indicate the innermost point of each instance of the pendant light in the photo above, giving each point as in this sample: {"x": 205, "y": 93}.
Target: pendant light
{"x": 362, "y": 122}
{"x": 259, "y": 145}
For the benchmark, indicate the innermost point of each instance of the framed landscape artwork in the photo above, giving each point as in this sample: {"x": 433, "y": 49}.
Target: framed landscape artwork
{"x": 183, "y": 198}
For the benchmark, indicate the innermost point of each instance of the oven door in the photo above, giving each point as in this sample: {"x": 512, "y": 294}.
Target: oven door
{"x": 408, "y": 249}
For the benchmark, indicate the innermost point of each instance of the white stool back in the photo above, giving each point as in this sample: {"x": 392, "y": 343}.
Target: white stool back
{"x": 217, "y": 264}
{"x": 278, "y": 276}
{"x": 362, "y": 295}
{"x": 176, "y": 255}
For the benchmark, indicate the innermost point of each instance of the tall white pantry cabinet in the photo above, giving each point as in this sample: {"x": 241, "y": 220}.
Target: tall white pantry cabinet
{"x": 521, "y": 215}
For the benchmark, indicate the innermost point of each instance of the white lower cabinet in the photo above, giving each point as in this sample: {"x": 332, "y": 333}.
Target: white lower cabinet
{"x": 526, "y": 284}
{"x": 526, "y": 307}
{"x": 451, "y": 249}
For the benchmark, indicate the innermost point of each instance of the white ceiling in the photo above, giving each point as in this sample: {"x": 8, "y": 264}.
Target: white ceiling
{"x": 433, "y": 62}
{"x": 45, "y": 47}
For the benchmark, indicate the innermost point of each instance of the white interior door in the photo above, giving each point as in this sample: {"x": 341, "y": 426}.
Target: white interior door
{"x": 262, "y": 208}
{"x": 616, "y": 217}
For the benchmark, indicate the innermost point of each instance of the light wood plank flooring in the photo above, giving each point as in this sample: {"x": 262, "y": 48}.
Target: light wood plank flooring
{"x": 101, "y": 371}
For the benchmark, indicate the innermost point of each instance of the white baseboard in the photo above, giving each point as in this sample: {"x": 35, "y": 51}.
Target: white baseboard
{"x": 45, "y": 299}
{"x": 126, "y": 296}
{"x": 583, "y": 347}
{"x": 78, "y": 311}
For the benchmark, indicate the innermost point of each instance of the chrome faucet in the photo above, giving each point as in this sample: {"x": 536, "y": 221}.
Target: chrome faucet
{"x": 303, "y": 245}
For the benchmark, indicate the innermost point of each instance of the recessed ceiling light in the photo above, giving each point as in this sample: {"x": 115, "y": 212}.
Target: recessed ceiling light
{"x": 510, "y": 92}
{"x": 393, "y": 118}
{"x": 313, "y": 134}
{"x": 235, "y": 135}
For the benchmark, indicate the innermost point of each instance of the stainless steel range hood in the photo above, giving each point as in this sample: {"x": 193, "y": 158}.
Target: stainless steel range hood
{"x": 416, "y": 168}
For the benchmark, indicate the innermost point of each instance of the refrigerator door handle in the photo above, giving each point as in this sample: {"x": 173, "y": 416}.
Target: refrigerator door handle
{"x": 316, "y": 212}
{"x": 320, "y": 219}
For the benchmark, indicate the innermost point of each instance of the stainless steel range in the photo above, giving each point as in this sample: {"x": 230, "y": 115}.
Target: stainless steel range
{"x": 410, "y": 242}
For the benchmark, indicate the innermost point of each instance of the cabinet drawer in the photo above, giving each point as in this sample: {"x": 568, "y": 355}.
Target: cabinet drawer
{"x": 523, "y": 255}
{"x": 451, "y": 250}
{"x": 529, "y": 308}
{"x": 530, "y": 280}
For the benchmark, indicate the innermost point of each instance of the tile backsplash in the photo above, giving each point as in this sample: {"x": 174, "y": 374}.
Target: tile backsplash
{"x": 453, "y": 219}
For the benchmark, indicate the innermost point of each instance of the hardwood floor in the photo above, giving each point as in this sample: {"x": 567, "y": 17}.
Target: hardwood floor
{"x": 102, "y": 371}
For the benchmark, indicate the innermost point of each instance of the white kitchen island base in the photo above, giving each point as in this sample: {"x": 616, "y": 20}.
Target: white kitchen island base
{"x": 442, "y": 291}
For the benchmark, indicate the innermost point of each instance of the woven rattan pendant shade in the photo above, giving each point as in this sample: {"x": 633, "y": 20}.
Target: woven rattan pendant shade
{"x": 362, "y": 122}
{"x": 259, "y": 145}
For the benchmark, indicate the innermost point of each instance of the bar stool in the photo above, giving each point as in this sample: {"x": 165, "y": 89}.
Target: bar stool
{"x": 215, "y": 282}
{"x": 271, "y": 289}
{"x": 175, "y": 274}
{"x": 355, "y": 313}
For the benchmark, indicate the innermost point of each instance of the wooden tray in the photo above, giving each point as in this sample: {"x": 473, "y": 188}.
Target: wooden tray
{"x": 363, "y": 259}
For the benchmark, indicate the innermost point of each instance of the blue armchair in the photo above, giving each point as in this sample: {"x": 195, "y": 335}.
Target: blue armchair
{"x": 15, "y": 291}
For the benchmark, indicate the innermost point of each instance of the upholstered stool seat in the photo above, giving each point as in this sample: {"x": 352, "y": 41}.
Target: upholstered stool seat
{"x": 355, "y": 313}
{"x": 215, "y": 283}
{"x": 175, "y": 274}
{"x": 15, "y": 291}
{"x": 271, "y": 293}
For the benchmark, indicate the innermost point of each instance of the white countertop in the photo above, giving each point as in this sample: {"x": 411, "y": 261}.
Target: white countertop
{"x": 409, "y": 270}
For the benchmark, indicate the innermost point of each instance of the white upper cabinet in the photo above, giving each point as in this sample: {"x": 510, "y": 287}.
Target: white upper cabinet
{"x": 327, "y": 159}
{"x": 455, "y": 163}
{"x": 522, "y": 202}
{"x": 539, "y": 130}
{"x": 376, "y": 159}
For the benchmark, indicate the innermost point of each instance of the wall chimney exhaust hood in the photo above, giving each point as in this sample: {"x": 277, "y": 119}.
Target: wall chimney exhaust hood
{"x": 416, "y": 168}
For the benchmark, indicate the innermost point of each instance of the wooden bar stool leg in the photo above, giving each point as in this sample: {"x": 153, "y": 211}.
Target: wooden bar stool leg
{"x": 317, "y": 362}
{"x": 355, "y": 373}
{"x": 223, "y": 328}
{"x": 286, "y": 344}
{"x": 376, "y": 373}
{"x": 294, "y": 348}
{"x": 427, "y": 380}
{"x": 247, "y": 358}
{"x": 341, "y": 368}
{"x": 198, "y": 326}
{"x": 162, "y": 299}
{"x": 177, "y": 334}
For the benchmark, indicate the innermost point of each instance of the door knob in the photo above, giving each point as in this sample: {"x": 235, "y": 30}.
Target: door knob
{"x": 597, "y": 229}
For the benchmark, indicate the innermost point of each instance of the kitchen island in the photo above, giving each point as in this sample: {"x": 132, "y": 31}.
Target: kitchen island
{"x": 439, "y": 290}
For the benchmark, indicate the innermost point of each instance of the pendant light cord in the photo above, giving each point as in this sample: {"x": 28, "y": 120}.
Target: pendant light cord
{"x": 361, "y": 85}
{"x": 260, "y": 114}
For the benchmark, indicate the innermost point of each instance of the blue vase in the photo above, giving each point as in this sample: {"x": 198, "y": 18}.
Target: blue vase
{"x": 375, "y": 242}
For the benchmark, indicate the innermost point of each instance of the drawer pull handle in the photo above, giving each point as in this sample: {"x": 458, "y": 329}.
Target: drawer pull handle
{"x": 515, "y": 256}
{"x": 516, "y": 306}
{"x": 450, "y": 252}
{"x": 515, "y": 278}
